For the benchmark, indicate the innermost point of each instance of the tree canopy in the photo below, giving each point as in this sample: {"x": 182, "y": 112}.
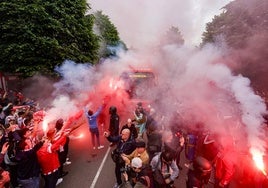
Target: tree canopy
{"x": 243, "y": 26}
{"x": 38, "y": 35}
{"x": 173, "y": 36}
{"x": 239, "y": 21}
{"x": 108, "y": 33}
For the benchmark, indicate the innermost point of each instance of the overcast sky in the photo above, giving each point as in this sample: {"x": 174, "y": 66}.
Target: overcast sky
{"x": 141, "y": 22}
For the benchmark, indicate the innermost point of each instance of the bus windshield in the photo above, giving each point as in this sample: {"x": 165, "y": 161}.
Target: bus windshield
{"x": 137, "y": 82}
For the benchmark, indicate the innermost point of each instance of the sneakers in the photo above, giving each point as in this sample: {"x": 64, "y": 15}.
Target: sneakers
{"x": 67, "y": 163}
{"x": 187, "y": 165}
{"x": 100, "y": 147}
{"x": 116, "y": 185}
{"x": 59, "y": 181}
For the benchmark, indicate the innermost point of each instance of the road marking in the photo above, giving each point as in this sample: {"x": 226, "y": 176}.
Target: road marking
{"x": 100, "y": 168}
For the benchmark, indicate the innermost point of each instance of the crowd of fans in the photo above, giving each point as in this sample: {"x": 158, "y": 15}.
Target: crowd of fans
{"x": 148, "y": 156}
{"x": 27, "y": 153}
{"x": 145, "y": 154}
{"x": 142, "y": 157}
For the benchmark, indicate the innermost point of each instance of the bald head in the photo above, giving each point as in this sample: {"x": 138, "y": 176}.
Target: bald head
{"x": 125, "y": 134}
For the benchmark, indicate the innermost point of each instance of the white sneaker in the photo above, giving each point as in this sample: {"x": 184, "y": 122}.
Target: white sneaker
{"x": 187, "y": 165}
{"x": 59, "y": 181}
{"x": 100, "y": 147}
{"x": 67, "y": 163}
{"x": 116, "y": 185}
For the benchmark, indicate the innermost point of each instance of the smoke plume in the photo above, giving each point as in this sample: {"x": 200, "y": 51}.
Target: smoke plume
{"x": 192, "y": 85}
{"x": 148, "y": 20}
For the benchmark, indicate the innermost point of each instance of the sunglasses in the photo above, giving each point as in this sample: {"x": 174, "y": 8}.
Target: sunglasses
{"x": 135, "y": 168}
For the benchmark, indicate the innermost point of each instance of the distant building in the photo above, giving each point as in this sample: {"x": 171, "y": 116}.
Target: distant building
{"x": 9, "y": 81}
{"x": 3, "y": 82}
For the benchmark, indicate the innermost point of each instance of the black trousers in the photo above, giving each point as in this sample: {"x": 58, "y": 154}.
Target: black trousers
{"x": 118, "y": 166}
{"x": 63, "y": 155}
{"x": 51, "y": 179}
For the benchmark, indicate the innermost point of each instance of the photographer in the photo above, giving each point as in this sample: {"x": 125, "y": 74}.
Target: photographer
{"x": 165, "y": 169}
{"x": 139, "y": 175}
{"x": 125, "y": 145}
{"x": 140, "y": 152}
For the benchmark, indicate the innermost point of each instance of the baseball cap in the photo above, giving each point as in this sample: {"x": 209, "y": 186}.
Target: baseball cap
{"x": 136, "y": 162}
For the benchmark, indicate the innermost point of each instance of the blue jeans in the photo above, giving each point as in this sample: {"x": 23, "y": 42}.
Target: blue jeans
{"x": 30, "y": 183}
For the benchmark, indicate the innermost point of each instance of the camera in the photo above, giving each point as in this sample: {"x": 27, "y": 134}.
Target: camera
{"x": 125, "y": 169}
{"x": 165, "y": 176}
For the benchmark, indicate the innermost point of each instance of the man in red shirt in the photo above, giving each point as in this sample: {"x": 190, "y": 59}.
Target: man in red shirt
{"x": 48, "y": 158}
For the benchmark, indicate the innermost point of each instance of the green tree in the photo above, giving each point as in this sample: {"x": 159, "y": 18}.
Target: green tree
{"x": 173, "y": 36}
{"x": 108, "y": 34}
{"x": 238, "y": 22}
{"x": 38, "y": 35}
{"x": 243, "y": 25}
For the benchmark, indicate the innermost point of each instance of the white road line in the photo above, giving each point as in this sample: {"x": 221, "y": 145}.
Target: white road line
{"x": 100, "y": 168}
